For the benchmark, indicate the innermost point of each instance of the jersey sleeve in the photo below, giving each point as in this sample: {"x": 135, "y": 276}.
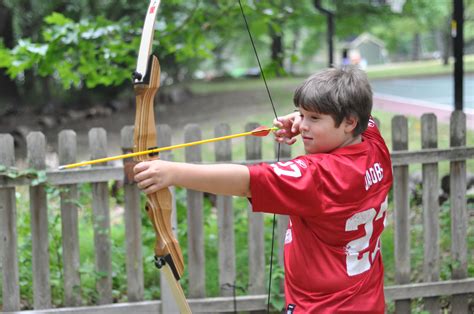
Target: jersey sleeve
{"x": 289, "y": 188}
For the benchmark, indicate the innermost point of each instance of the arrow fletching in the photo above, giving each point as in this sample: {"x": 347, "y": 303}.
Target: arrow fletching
{"x": 262, "y": 130}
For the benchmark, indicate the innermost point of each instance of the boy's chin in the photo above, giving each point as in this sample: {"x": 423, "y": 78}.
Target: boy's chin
{"x": 310, "y": 151}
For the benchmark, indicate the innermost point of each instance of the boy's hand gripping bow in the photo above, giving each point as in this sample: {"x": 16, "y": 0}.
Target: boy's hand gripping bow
{"x": 146, "y": 80}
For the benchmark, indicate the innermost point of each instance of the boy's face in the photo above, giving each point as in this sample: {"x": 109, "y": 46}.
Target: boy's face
{"x": 320, "y": 134}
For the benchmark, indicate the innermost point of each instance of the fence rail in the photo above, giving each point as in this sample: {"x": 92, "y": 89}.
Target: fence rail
{"x": 460, "y": 286}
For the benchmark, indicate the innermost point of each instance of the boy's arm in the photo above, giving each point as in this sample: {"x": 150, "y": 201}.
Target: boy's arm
{"x": 224, "y": 179}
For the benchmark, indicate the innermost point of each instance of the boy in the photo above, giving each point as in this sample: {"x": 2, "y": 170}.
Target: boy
{"x": 335, "y": 195}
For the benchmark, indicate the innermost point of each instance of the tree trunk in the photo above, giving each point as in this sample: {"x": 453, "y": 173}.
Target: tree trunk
{"x": 219, "y": 60}
{"x": 294, "y": 48}
{"x": 8, "y": 88}
{"x": 277, "y": 51}
{"x": 447, "y": 41}
{"x": 416, "y": 47}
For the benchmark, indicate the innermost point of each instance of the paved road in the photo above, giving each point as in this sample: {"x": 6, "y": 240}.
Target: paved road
{"x": 436, "y": 90}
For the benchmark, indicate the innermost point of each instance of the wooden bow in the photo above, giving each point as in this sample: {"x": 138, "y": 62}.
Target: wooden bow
{"x": 146, "y": 80}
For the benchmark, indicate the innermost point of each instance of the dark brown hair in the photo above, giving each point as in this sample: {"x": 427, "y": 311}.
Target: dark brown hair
{"x": 339, "y": 92}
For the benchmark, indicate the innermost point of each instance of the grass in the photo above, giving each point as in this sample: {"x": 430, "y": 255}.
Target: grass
{"x": 385, "y": 71}
{"x": 418, "y": 68}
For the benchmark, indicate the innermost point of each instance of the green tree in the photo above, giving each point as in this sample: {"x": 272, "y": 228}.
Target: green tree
{"x": 93, "y": 52}
{"x": 88, "y": 48}
{"x": 419, "y": 17}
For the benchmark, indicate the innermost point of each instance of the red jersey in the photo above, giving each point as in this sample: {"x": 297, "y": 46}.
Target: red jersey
{"x": 337, "y": 206}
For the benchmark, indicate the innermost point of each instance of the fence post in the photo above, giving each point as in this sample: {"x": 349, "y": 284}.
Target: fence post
{"x": 429, "y": 138}
{"x": 168, "y": 303}
{"x": 133, "y": 225}
{"x": 225, "y": 220}
{"x": 196, "y": 259}
{"x": 8, "y": 233}
{"x": 256, "y": 243}
{"x": 101, "y": 220}
{"x": 69, "y": 223}
{"x": 36, "y": 146}
{"x": 401, "y": 211}
{"x": 459, "y": 218}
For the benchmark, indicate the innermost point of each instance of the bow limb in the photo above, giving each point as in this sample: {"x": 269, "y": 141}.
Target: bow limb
{"x": 168, "y": 256}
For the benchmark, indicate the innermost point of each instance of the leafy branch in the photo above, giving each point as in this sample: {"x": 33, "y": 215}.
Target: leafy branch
{"x": 87, "y": 52}
{"x": 37, "y": 177}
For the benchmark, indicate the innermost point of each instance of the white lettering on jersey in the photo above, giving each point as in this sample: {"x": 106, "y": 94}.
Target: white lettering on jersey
{"x": 301, "y": 163}
{"x": 373, "y": 175}
{"x": 286, "y": 169}
{"x": 371, "y": 123}
{"x": 288, "y": 236}
{"x": 354, "y": 264}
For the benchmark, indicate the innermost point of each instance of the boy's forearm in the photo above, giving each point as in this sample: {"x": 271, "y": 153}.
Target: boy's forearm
{"x": 224, "y": 179}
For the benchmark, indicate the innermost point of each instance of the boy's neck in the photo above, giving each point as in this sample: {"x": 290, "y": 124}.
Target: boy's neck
{"x": 352, "y": 141}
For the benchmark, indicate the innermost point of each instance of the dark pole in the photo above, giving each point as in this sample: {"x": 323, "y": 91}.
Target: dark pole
{"x": 458, "y": 44}
{"x": 330, "y": 30}
{"x": 330, "y": 38}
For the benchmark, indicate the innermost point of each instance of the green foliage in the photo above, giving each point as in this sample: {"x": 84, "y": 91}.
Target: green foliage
{"x": 37, "y": 177}
{"x": 78, "y": 47}
{"x": 95, "y": 43}
{"x": 276, "y": 298}
{"x": 348, "y": 16}
{"x": 24, "y": 253}
{"x": 85, "y": 45}
{"x": 90, "y": 52}
{"x": 97, "y": 51}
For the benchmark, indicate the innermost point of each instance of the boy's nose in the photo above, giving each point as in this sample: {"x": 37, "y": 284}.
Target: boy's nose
{"x": 303, "y": 126}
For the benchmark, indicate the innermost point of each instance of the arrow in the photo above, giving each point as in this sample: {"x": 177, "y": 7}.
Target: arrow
{"x": 260, "y": 131}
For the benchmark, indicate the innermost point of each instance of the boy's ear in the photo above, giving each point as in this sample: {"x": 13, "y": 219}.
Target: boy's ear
{"x": 350, "y": 123}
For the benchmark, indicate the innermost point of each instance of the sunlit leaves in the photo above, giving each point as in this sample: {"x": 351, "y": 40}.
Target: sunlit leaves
{"x": 88, "y": 52}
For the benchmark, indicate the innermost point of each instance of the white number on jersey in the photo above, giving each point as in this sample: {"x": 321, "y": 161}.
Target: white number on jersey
{"x": 354, "y": 265}
{"x": 286, "y": 169}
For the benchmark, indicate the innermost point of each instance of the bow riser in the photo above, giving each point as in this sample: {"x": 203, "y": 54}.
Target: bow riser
{"x": 146, "y": 79}
{"x": 159, "y": 207}
{"x": 145, "y": 129}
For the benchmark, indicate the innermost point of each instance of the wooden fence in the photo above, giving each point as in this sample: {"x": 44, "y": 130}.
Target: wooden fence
{"x": 460, "y": 287}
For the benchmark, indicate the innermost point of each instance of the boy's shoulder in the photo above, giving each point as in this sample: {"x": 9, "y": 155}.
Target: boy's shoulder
{"x": 372, "y": 131}
{"x": 372, "y": 146}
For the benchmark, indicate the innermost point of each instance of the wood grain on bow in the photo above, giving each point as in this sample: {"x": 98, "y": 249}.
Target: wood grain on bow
{"x": 146, "y": 79}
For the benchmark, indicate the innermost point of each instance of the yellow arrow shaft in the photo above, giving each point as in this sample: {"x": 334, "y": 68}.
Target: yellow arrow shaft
{"x": 157, "y": 150}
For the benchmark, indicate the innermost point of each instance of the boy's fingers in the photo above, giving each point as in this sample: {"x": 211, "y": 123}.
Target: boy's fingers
{"x": 140, "y": 167}
{"x": 151, "y": 189}
{"x": 296, "y": 125}
{"x": 277, "y": 123}
{"x": 144, "y": 184}
{"x": 286, "y": 140}
{"x": 280, "y": 132}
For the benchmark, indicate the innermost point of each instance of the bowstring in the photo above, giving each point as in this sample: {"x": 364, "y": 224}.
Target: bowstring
{"x": 278, "y": 150}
